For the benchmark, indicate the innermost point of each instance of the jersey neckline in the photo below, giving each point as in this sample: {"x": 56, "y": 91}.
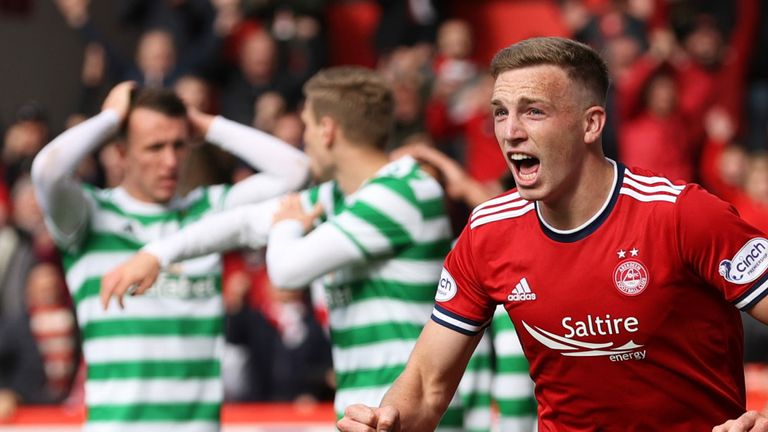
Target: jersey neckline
{"x": 590, "y": 226}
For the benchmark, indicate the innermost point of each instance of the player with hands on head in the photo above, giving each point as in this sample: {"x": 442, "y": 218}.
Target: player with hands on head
{"x": 153, "y": 363}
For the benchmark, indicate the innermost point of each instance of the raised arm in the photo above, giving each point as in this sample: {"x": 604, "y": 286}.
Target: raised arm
{"x": 282, "y": 168}
{"x": 233, "y": 228}
{"x": 420, "y": 396}
{"x": 295, "y": 259}
{"x": 60, "y": 195}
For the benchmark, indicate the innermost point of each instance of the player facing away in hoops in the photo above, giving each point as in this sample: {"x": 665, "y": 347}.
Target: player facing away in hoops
{"x": 373, "y": 230}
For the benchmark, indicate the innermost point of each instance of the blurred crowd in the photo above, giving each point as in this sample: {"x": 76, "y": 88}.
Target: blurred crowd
{"x": 689, "y": 100}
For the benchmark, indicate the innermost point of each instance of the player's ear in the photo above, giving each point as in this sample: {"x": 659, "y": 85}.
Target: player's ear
{"x": 594, "y": 122}
{"x": 328, "y": 130}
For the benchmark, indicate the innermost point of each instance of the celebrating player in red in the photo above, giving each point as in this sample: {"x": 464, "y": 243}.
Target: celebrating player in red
{"x": 625, "y": 287}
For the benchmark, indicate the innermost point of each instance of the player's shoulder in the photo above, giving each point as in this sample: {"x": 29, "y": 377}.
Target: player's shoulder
{"x": 649, "y": 187}
{"x": 506, "y": 207}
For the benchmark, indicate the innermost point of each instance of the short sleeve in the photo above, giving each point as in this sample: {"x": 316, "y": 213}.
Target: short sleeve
{"x": 721, "y": 248}
{"x": 461, "y": 303}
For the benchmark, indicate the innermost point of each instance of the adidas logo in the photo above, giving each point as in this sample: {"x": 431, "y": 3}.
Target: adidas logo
{"x": 522, "y": 292}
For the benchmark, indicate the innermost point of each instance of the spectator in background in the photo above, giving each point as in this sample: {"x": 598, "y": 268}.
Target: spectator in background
{"x": 17, "y": 257}
{"x": 753, "y": 203}
{"x": 38, "y": 347}
{"x": 655, "y": 134}
{"x": 288, "y": 127}
{"x": 723, "y": 161}
{"x": 53, "y": 327}
{"x": 206, "y": 163}
{"x": 257, "y": 73}
{"x": 711, "y": 69}
{"x": 23, "y": 139}
{"x": 158, "y": 60}
{"x": 28, "y": 218}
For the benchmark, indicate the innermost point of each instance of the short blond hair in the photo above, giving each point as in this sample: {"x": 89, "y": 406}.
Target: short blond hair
{"x": 357, "y": 98}
{"x": 582, "y": 64}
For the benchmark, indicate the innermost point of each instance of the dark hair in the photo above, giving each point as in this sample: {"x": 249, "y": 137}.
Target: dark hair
{"x": 579, "y": 61}
{"x": 357, "y": 98}
{"x": 163, "y": 101}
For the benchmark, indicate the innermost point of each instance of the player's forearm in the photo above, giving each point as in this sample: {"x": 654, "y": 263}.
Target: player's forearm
{"x": 294, "y": 260}
{"x": 219, "y": 232}
{"x": 58, "y": 193}
{"x": 60, "y": 157}
{"x": 420, "y": 410}
{"x": 262, "y": 151}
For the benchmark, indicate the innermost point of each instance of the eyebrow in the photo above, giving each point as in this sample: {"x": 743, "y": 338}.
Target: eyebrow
{"x": 521, "y": 101}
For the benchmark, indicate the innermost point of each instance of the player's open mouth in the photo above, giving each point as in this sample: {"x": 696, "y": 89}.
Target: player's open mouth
{"x": 525, "y": 166}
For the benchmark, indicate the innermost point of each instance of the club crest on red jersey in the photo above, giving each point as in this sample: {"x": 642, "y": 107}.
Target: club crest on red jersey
{"x": 630, "y": 277}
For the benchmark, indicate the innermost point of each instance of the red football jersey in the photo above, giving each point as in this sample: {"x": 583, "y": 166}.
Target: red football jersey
{"x": 628, "y": 321}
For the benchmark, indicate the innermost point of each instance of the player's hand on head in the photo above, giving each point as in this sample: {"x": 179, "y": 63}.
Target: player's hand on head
{"x": 361, "y": 418}
{"x": 199, "y": 120}
{"x": 750, "y": 421}
{"x": 119, "y": 99}
{"x": 290, "y": 208}
{"x": 133, "y": 277}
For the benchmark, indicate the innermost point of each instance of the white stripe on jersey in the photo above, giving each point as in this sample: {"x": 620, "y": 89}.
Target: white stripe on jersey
{"x": 651, "y": 189}
{"x": 144, "y": 348}
{"x": 498, "y": 200}
{"x": 647, "y": 198}
{"x": 507, "y": 343}
{"x": 652, "y": 180}
{"x": 475, "y": 379}
{"x": 510, "y": 386}
{"x": 166, "y": 390}
{"x": 489, "y": 210}
{"x": 455, "y": 322}
{"x": 379, "y": 311}
{"x": 503, "y": 215}
{"x": 517, "y": 424}
{"x": 426, "y": 189}
{"x": 150, "y": 307}
{"x": 757, "y": 291}
{"x": 372, "y": 356}
{"x": 374, "y": 241}
{"x": 190, "y": 426}
{"x": 391, "y": 204}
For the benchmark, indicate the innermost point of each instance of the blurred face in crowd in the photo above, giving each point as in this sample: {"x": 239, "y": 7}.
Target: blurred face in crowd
{"x": 662, "y": 95}
{"x": 756, "y": 181}
{"x": 257, "y": 57}
{"x": 705, "y": 43}
{"x": 44, "y": 286}
{"x": 156, "y": 54}
{"x": 288, "y": 128}
{"x": 318, "y": 136}
{"x": 26, "y": 211}
{"x": 539, "y": 119}
{"x": 454, "y": 39}
{"x": 154, "y": 152}
{"x": 267, "y": 108}
{"x": 194, "y": 92}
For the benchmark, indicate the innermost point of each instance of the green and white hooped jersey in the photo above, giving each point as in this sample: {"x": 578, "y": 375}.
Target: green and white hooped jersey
{"x": 153, "y": 366}
{"x": 512, "y": 385}
{"x": 378, "y": 307}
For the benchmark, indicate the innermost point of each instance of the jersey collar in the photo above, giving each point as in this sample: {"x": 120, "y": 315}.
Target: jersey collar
{"x": 590, "y": 226}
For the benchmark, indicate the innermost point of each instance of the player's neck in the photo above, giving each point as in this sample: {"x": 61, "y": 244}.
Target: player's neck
{"x": 356, "y": 164}
{"x": 584, "y": 199}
